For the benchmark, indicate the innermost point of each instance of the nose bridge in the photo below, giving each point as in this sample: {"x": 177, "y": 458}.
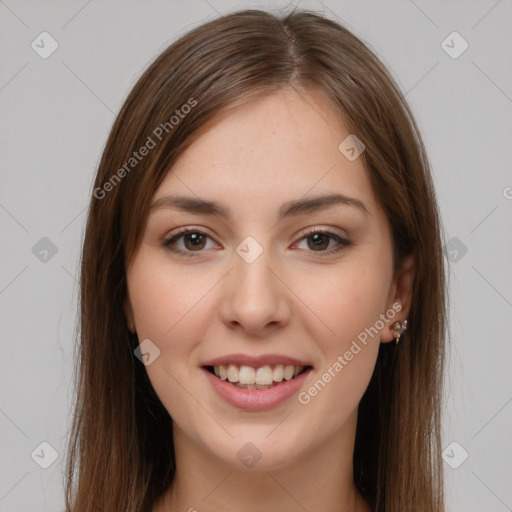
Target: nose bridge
{"x": 253, "y": 275}
{"x": 254, "y": 297}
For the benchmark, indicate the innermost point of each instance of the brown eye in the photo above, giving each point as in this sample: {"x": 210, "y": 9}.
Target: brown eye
{"x": 318, "y": 241}
{"x": 194, "y": 241}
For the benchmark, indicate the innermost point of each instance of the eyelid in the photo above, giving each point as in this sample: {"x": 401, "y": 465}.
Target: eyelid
{"x": 321, "y": 229}
{"x": 187, "y": 230}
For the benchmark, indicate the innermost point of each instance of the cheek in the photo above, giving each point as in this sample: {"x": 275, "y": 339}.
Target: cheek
{"x": 162, "y": 298}
{"x": 167, "y": 308}
{"x": 345, "y": 302}
{"x": 351, "y": 308}
{"x": 350, "y": 303}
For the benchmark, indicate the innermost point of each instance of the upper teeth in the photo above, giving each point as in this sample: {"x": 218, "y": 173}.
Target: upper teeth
{"x": 263, "y": 375}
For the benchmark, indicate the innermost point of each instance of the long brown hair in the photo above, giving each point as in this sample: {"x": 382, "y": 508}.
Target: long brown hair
{"x": 120, "y": 455}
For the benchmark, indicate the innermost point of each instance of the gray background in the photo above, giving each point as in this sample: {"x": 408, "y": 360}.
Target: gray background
{"x": 57, "y": 112}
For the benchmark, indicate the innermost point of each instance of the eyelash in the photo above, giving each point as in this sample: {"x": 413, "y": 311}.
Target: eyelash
{"x": 170, "y": 241}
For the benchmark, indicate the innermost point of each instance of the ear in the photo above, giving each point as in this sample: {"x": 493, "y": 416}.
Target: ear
{"x": 400, "y": 293}
{"x": 128, "y": 312}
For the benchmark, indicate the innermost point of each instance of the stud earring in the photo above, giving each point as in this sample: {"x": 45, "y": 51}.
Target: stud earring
{"x": 399, "y": 328}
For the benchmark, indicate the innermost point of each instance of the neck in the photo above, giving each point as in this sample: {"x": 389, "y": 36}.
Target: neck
{"x": 319, "y": 480}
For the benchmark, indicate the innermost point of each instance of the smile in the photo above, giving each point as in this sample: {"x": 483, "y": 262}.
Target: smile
{"x": 263, "y": 377}
{"x": 256, "y": 383}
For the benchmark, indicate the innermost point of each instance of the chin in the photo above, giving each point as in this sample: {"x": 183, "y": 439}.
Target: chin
{"x": 257, "y": 448}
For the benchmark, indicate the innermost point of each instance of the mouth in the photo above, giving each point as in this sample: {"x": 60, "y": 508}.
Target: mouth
{"x": 256, "y": 383}
{"x": 256, "y": 377}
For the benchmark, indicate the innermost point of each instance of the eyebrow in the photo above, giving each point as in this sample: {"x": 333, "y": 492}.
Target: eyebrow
{"x": 288, "y": 209}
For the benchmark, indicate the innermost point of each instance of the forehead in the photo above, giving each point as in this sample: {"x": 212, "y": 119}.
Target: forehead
{"x": 274, "y": 149}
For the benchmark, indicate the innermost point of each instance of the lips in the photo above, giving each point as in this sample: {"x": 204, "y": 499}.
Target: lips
{"x": 256, "y": 382}
{"x": 255, "y": 361}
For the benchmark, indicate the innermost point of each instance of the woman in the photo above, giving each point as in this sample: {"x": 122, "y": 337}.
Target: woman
{"x": 262, "y": 285}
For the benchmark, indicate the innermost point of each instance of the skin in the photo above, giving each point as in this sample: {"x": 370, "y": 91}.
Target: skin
{"x": 294, "y": 299}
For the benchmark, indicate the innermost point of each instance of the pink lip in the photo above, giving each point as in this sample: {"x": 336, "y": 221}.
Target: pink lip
{"x": 256, "y": 399}
{"x": 255, "y": 361}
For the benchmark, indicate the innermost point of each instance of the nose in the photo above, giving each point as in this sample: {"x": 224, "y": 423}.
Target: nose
{"x": 255, "y": 298}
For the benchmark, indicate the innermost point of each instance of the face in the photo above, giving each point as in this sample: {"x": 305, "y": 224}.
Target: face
{"x": 263, "y": 288}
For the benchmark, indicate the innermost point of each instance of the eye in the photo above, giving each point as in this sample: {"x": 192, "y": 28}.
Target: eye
{"x": 193, "y": 239}
{"x": 319, "y": 241}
